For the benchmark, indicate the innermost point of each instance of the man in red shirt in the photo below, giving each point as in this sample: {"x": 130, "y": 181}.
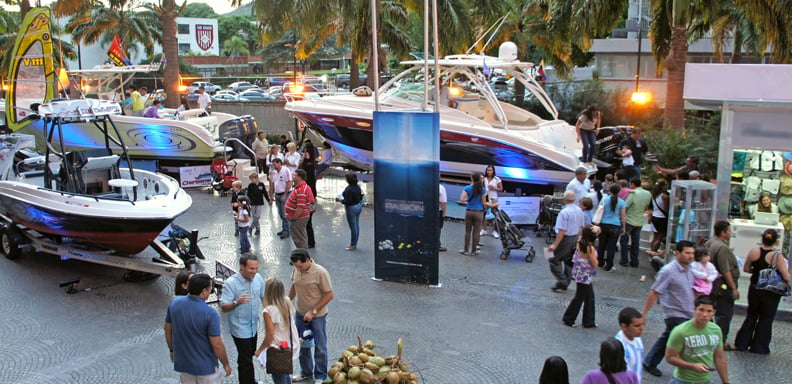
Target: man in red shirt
{"x": 298, "y": 209}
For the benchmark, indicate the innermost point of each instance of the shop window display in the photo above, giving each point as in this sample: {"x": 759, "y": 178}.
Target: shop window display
{"x": 691, "y": 213}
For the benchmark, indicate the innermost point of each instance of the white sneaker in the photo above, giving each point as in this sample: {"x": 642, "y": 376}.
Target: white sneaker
{"x": 495, "y": 235}
{"x": 483, "y": 232}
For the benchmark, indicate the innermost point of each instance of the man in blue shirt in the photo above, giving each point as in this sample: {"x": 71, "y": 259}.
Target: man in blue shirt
{"x": 243, "y": 294}
{"x": 674, "y": 283}
{"x": 192, "y": 331}
{"x": 568, "y": 224}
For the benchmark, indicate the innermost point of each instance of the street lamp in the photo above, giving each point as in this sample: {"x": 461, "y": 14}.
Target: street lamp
{"x": 639, "y": 97}
{"x": 294, "y": 85}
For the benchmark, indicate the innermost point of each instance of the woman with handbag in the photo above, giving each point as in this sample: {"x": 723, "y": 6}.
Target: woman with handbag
{"x": 474, "y": 197}
{"x": 584, "y": 267}
{"x": 279, "y": 330}
{"x": 757, "y": 329}
{"x": 613, "y": 225}
{"x": 659, "y": 220}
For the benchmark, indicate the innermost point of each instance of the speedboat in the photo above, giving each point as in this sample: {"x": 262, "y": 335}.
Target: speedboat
{"x": 189, "y": 135}
{"x": 93, "y": 195}
{"x": 476, "y": 129}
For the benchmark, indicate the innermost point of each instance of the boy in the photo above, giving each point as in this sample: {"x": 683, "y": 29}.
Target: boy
{"x": 257, "y": 193}
{"x": 236, "y": 191}
{"x": 242, "y": 219}
{"x": 632, "y": 327}
{"x": 695, "y": 347}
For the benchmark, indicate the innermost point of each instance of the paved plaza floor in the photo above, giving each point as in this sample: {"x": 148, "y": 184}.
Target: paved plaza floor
{"x": 491, "y": 321}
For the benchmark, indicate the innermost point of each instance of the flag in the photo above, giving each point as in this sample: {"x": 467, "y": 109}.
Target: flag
{"x": 540, "y": 72}
{"x": 117, "y": 53}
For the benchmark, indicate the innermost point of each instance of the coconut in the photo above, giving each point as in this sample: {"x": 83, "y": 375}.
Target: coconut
{"x": 393, "y": 378}
{"x": 363, "y": 357}
{"x": 328, "y": 380}
{"x": 339, "y": 378}
{"x": 353, "y": 349}
{"x": 412, "y": 377}
{"x": 369, "y": 344}
{"x": 378, "y": 360}
{"x": 333, "y": 370}
{"x": 347, "y": 354}
{"x": 354, "y": 360}
{"x": 368, "y": 352}
{"x": 366, "y": 376}
{"x": 353, "y": 373}
{"x": 372, "y": 367}
{"x": 403, "y": 366}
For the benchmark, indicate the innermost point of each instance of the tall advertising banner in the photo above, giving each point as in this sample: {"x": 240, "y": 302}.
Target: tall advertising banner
{"x": 406, "y": 210}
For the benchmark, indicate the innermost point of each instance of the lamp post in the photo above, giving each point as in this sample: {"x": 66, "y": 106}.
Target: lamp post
{"x": 639, "y": 97}
{"x": 294, "y": 85}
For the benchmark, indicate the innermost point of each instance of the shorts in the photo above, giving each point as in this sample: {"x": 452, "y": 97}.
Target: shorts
{"x": 215, "y": 378}
{"x": 660, "y": 224}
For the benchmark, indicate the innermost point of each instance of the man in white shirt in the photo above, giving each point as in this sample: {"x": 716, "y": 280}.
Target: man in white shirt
{"x": 204, "y": 102}
{"x": 580, "y": 184}
{"x": 261, "y": 148}
{"x": 280, "y": 184}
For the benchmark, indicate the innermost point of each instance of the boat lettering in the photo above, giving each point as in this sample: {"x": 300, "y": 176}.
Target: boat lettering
{"x": 195, "y": 182}
{"x": 35, "y": 62}
{"x": 41, "y": 22}
{"x": 49, "y": 248}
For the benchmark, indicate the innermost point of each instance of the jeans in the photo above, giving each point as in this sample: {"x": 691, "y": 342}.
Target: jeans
{"x": 633, "y": 236}
{"x": 589, "y": 140}
{"x": 353, "y": 219}
{"x": 561, "y": 263}
{"x": 309, "y": 232}
{"x": 757, "y": 329}
{"x": 607, "y": 244}
{"x": 473, "y": 219}
{"x": 255, "y": 215}
{"x": 244, "y": 242}
{"x": 724, "y": 311}
{"x": 313, "y": 366}
{"x": 281, "y": 379}
{"x": 245, "y": 350}
{"x": 584, "y": 296}
{"x": 657, "y": 354}
{"x": 282, "y": 211}
{"x": 631, "y": 171}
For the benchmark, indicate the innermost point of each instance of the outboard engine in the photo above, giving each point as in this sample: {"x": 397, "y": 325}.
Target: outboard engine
{"x": 252, "y": 129}
{"x": 234, "y": 129}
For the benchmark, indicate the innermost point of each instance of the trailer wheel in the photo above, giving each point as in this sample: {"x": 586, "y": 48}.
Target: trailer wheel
{"x": 505, "y": 254}
{"x": 10, "y": 239}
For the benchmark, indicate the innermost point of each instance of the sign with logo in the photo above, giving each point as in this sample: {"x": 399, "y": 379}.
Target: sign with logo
{"x": 406, "y": 207}
{"x": 204, "y": 36}
{"x": 197, "y": 176}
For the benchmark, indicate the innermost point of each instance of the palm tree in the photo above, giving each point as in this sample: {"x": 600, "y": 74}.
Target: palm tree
{"x": 134, "y": 27}
{"x": 167, "y": 10}
{"x": 236, "y": 46}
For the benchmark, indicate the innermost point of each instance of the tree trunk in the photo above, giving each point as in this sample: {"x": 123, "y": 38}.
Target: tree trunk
{"x": 170, "y": 49}
{"x": 24, "y": 8}
{"x": 736, "y": 56}
{"x": 675, "y": 63}
{"x": 354, "y": 70}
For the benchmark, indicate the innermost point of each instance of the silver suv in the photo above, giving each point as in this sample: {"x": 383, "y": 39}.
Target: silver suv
{"x": 209, "y": 87}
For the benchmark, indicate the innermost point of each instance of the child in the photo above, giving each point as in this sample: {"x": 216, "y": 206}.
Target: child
{"x": 704, "y": 272}
{"x": 626, "y": 154}
{"x": 236, "y": 191}
{"x": 257, "y": 193}
{"x": 242, "y": 218}
{"x": 584, "y": 267}
{"x": 632, "y": 323}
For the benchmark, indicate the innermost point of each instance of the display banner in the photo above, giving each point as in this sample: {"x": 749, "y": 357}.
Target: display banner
{"x": 406, "y": 210}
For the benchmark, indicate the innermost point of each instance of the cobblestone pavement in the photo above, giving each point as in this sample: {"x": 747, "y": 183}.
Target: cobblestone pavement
{"x": 492, "y": 321}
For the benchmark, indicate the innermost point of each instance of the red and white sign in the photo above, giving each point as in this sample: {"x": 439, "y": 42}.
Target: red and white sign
{"x": 204, "y": 36}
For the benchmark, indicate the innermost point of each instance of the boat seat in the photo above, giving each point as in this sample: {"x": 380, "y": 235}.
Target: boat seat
{"x": 96, "y": 171}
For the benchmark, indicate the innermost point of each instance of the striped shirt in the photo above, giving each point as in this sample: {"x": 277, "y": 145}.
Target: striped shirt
{"x": 633, "y": 353}
{"x": 302, "y": 197}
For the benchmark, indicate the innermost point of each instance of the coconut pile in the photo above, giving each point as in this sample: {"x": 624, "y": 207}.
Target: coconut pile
{"x": 360, "y": 364}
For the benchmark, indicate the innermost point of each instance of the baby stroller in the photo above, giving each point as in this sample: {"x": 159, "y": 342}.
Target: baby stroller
{"x": 222, "y": 175}
{"x": 511, "y": 237}
{"x": 548, "y": 212}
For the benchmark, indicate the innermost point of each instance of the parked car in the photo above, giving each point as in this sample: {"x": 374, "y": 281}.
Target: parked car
{"x": 254, "y": 95}
{"x": 224, "y": 97}
{"x": 240, "y": 86}
{"x": 209, "y": 87}
{"x": 226, "y": 92}
{"x": 275, "y": 81}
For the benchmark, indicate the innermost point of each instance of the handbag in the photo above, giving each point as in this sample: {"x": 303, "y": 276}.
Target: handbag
{"x": 279, "y": 361}
{"x": 769, "y": 280}
{"x": 719, "y": 287}
{"x": 598, "y": 214}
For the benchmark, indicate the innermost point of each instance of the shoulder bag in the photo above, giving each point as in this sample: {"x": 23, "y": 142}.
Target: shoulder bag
{"x": 770, "y": 280}
{"x": 598, "y": 214}
{"x": 279, "y": 361}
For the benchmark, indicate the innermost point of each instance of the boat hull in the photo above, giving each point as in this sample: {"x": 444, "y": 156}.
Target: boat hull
{"x": 145, "y": 138}
{"x": 460, "y": 153}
